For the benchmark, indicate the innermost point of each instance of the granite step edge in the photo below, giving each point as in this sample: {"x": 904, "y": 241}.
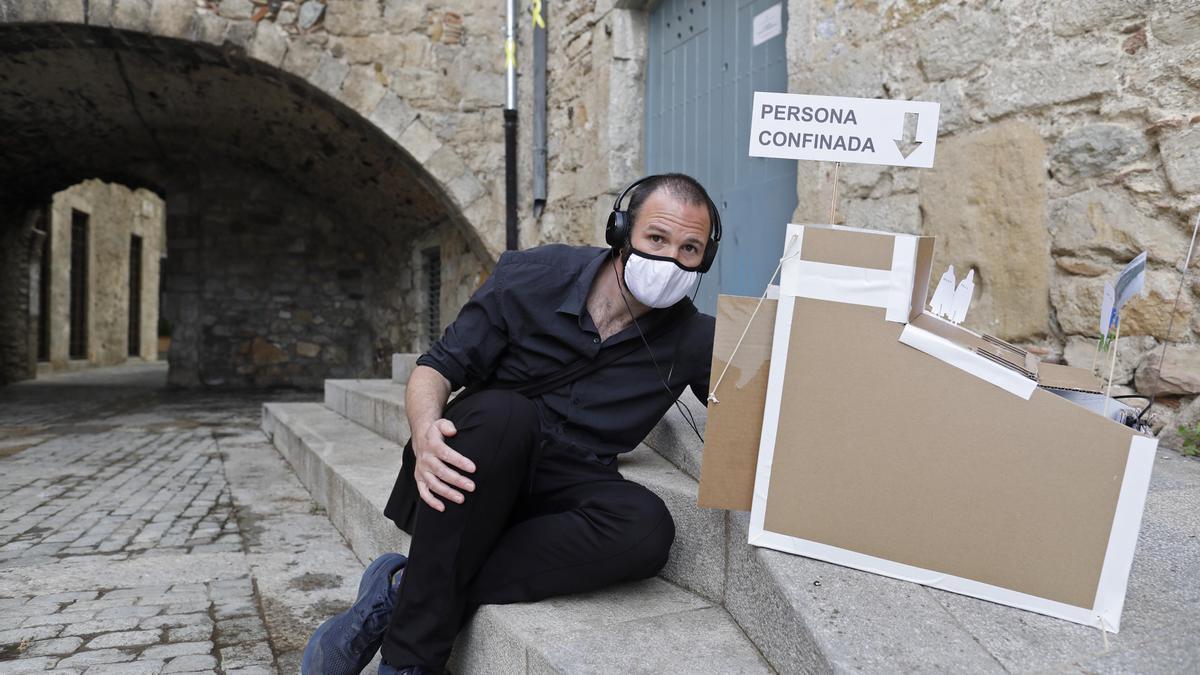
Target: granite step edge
{"x": 330, "y": 453}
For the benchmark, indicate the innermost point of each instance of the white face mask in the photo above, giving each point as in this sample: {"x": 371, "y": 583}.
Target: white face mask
{"x": 657, "y": 281}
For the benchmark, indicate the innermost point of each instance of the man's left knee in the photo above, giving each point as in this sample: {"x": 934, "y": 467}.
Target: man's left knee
{"x": 653, "y": 546}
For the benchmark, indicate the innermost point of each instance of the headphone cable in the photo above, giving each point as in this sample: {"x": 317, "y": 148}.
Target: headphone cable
{"x": 682, "y": 408}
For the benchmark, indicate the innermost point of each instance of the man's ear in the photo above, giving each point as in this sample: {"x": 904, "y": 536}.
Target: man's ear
{"x": 626, "y": 251}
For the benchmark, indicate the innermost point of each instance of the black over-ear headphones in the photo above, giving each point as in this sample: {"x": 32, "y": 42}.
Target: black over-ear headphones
{"x": 620, "y": 226}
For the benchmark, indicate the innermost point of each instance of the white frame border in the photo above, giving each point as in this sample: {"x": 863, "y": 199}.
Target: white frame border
{"x": 1118, "y": 559}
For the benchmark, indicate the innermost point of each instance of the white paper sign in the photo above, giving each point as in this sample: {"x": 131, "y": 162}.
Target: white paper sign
{"x": 841, "y": 129}
{"x": 1106, "y": 309}
{"x": 768, "y": 23}
{"x": 1131, "y": 280}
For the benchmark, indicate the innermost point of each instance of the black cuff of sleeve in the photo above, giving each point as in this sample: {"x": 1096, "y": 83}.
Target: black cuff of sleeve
{"x": 455, "y": 377}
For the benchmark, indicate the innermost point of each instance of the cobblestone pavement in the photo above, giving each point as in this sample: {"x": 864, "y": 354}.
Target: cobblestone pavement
{"x": 148, "y": 530}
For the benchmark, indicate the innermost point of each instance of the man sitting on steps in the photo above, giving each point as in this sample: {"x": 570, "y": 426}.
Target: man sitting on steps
{"x": 571, "y": 355}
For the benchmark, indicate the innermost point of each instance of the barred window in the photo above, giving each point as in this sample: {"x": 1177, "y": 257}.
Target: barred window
{"x": 432, "y": 264}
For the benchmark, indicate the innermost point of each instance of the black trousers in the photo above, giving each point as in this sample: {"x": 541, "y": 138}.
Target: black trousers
{"x": 543, "y": 520}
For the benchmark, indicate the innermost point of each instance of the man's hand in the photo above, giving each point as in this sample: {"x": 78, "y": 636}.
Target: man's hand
{"x": 436, "y": 463}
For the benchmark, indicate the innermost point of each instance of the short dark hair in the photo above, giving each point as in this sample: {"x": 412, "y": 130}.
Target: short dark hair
{"x": 681, "y": 186}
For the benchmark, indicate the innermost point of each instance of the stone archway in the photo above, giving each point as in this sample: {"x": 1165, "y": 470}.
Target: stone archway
{"x": 258, "y": 43}
{"x": 245, "y": 153}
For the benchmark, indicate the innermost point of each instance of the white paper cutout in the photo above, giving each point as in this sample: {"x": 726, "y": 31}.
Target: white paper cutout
{"x": 962, "y": 298}
{"x": 943, "y": 298}
{"x": 1131, "y": 280}
{"x": 1106, "y": 309}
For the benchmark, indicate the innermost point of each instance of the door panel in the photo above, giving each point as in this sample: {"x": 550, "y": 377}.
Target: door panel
{"x": 701, "y": 77}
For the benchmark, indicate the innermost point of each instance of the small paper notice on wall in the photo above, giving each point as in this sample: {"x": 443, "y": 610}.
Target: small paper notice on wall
{"x": 768, "y": 23}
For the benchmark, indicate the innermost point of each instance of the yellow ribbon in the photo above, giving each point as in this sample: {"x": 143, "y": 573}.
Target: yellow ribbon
{"x": 510, "y": 53}
{"x": 538, "y": 21}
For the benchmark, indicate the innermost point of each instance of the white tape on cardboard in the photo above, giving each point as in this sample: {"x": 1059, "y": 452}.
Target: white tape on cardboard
{"x": 1114, "y": 576}
{"x": 837, "y": 283}
{"x": 904, "y": 260}
{"x": 840, "y": 556}
{"x": 1122, "y": 539}
{"x": 770, "y": 426}
{"x": 1110, "y": 596}
{"x": 968, "y": 361}
{"x": 887, "y": 289}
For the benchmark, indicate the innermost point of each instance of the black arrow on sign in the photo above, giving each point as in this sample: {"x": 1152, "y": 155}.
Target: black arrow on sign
{"x": 909, "y": 143}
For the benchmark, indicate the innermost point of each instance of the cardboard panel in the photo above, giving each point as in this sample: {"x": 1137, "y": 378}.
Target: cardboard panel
{"x": 886, "y": 451}
{"x": 732, "y": 435}
{"x": 1066, "y": 377}
{"x": 852, "y": 248}
{"x": 943, "y": 328}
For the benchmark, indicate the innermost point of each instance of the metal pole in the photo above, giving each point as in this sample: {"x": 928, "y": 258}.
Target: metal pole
{"x": 510, "y": 128}
{"x": 539, "y": 107}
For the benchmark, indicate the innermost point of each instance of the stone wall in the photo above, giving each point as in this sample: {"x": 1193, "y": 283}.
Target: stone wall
{"x": 1069, "y": 139}
{"x": 17, "y": 242}
{"x": 115, "y": 213}
{"x": 275, "y": 288}
{"x": 443, "y": 64}
{"x": 459, "y": 276}
{"x": 428, "y": 77}
{"x": 1069, "y": 143}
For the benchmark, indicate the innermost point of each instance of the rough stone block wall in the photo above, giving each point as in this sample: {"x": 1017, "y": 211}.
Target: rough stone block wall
{"x": 443, "y": 65}
{"x": 16, "y": 235}
{"x": 460, "y": 275}
{"x": 428, "y": 77}
{"x": 1069, "y": 143}
{"x": 270, "y": 288}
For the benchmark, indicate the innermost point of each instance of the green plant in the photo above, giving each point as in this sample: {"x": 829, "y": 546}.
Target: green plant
{"x": 1191, "y": 439}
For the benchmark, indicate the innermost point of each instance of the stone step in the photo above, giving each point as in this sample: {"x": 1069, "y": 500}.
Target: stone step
{"x": 675, "y": 440}
{"x": 805, "y": 615}
{"x": 697, "y": 559}
{"x": 402, "y": 367}
{"x": 698, "y": 556}
{"x": 348, "y": 469}
{"x": 652, "y": 626}
{"x": 377, "y": 405}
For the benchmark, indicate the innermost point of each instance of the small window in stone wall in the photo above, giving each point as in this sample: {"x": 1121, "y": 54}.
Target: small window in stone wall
{"x": 431, "y": 259}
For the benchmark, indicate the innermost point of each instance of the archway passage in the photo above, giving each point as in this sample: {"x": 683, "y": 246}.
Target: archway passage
{"x": 291, "y": 220}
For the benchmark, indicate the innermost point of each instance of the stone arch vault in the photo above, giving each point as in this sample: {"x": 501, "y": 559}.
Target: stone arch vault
{"x": 157, "y": 95}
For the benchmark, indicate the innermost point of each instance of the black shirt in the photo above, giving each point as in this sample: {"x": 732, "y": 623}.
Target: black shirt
{"x": 530, "y": 319}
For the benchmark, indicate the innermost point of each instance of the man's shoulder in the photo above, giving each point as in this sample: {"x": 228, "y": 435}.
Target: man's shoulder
{"x": 701, "y": 326}
{"x": 560, "y": 256}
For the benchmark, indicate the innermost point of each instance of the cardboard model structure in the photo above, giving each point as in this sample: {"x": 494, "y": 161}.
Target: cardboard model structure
{"x": 898, "y": 443}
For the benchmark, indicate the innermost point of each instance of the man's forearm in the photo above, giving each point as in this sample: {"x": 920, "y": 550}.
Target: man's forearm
{"x": 425, "y": 398}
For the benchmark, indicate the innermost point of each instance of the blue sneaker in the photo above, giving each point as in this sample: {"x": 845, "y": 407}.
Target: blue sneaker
{"x": 346, "y": 643}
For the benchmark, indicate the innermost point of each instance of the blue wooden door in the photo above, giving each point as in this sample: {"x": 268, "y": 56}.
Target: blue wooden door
{"x": 701, "y": 77}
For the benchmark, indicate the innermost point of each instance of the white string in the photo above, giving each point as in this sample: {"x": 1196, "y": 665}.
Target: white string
{"x": 1116, "y": 344}
{"x": 1103, "y": 632}
{"x": 712, "y": 395}
{"x": 1162, "y": 357}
